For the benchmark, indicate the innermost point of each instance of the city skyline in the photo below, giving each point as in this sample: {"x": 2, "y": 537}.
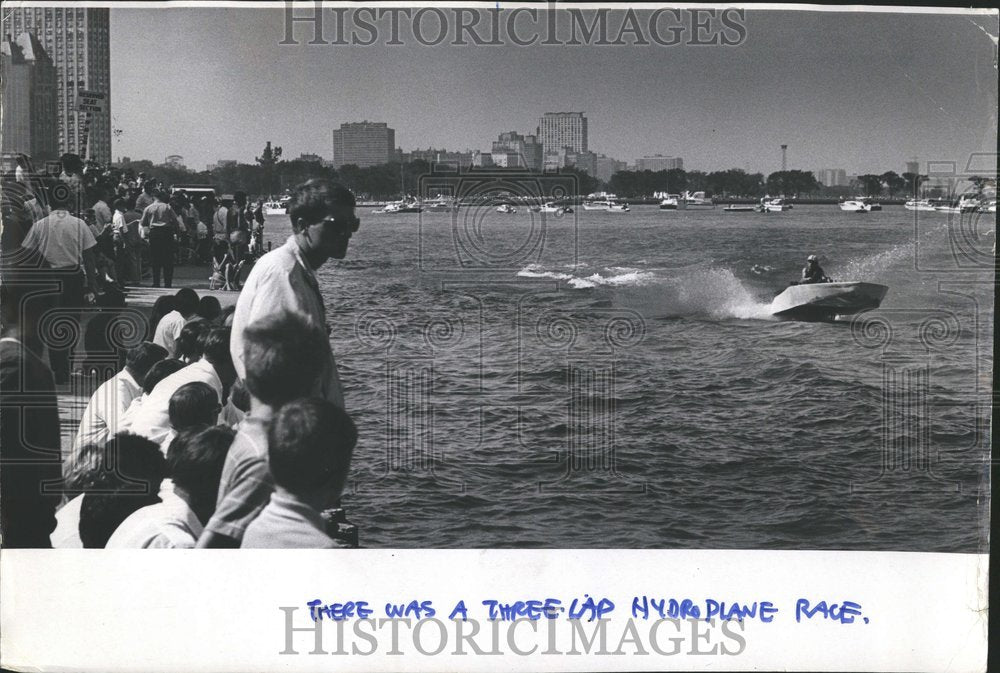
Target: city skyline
{"x": 860, "y": 91}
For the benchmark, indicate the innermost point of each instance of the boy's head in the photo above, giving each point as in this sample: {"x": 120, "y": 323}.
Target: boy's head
{"x": 186, "y": 301}
{"x": 215, "y": 349}
{"x": 195, "y": 459}
{"x": 310, "y": 443}
{"x": 194, "y": 404}
{"x": 141, "y": 359}
{"x": 282, "y": 352}
{"x": 127, "y": 479}
{"x": 189, "y": 341}
{"x": 160, "y": 371}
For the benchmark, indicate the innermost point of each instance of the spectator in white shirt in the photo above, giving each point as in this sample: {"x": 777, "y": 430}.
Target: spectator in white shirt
{"x": 195, "y": 461}
{"x": 170, "y": 326}
{"x": 67, "y": 244}
{"x": 215, "y": 368}
{"x": 108, "y": 403}
{"x": 157, "y": 373}
{"x": 323, "y": 220}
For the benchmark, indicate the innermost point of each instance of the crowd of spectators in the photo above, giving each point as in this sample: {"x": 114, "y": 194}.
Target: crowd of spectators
{"x": 223, "y": 428}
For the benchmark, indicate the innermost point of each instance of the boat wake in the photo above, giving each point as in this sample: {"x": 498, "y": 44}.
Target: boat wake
{"x": 614, "y": 276}
{"x": 712, "y": 292}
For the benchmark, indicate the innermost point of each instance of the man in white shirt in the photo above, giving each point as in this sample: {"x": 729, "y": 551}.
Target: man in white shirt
{"x": 67, "y": 244}
{"x": 323, "y": 220}
{"x": 113, "y": 397}
{"x": 195, "y": 462}
{"x": 170, "y": 326}
{"x": 152, "y": 419}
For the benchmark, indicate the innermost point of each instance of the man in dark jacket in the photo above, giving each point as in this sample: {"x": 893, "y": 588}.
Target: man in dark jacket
{"x": 31, "y": 470}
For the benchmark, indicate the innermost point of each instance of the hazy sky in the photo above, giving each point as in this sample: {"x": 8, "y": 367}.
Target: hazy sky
{"x": 863, "y": 92}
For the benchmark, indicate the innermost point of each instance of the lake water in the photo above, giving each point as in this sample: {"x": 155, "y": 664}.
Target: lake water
{"x": 616, "y": 380}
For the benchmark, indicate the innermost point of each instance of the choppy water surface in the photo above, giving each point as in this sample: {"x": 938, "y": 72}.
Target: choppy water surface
{"x": 615, "y": 380}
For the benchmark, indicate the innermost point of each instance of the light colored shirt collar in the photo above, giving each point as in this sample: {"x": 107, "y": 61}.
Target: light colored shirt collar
{"x": 293, "y": 246}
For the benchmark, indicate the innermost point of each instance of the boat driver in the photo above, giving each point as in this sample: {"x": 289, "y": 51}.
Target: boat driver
{"x": 813, "y": 272}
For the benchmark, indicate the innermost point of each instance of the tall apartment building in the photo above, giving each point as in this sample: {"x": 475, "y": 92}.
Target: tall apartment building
{"x": 557, "y": 130}
{"x": 364, "y": 144}
{"x": 913, "y": 167}
{"x": 832, "y": 177}
{"x": 658, "y": 162}
{"x": 77, "y": 41}
{"x": 30, "y": 123}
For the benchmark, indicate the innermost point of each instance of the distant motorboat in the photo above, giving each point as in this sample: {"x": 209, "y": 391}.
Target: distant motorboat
{"x": 670, "y": 202}
{"x": 988, "y": 206}
{"x": 406, "y": 205}
{"x": 919, "y": 204}
{"x": 695, "y": 200}
{"x": 733, "y": 208}
{"x": 506, "y": 208}
{"x": 774, "y": 205}
{"x": 606, "y": 202}
{"x": 825, "y": 301}
{"x": 279, "y": 207}
{"x": 439, "y": 204}
{"x": 855, "y": 206}
{"x": 965, "y": 204}
{"x": 551, "y": 207}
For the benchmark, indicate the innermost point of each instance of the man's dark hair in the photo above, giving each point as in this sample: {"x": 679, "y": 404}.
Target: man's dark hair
{"x": 282, "y": 352}
{"x": 149, "y": 187}
{"x": 114, "y": 494}
{"x": 313, "y": 200}
{"x": 195, "y": 459}
{"x": 209, "y": 307}
{"x": 310, "y": 443}
{"x": 72, "y": 164}
{"x": 215, "y": 346}
{"x": 120, "y": 204}
{"x": 140, "y": 358}
{"x": 186, "y": 301}
{"x": 189, "y": 341}
{"x": 193, "y": 404}
{"x": 160, "y": 371}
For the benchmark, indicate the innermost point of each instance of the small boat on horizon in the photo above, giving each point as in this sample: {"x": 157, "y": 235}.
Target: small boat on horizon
{"x": 734, "y": 208}
{"x": 773, "y": 205}
{"x": 606, "y": 202}
{"x": 407, "y": 204}
{"x": 506, "y": 208}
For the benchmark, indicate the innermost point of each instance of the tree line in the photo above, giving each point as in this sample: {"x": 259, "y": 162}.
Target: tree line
{"x": 272, "y": 176}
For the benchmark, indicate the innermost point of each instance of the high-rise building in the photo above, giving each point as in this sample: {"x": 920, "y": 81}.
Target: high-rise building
{"x": 433, "y": 156}
{"x": 312, "y": 158}
{"x": 557, "y": 130}
{"x": 511, "y": 149}
{"x": 658, "y": 162}
{"x": 913, "y": 167}
{"x": 832, "y": 177}
{"x": 364, "y": 144}
{"x": 30, "y": 124}
{"x": 605, "y": 167}
{"x": 76, "y": 39}
{"x": 174, "y": 161}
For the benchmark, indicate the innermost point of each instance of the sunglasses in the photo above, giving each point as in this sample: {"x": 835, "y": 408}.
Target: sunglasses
{"x": 350, "y": 224}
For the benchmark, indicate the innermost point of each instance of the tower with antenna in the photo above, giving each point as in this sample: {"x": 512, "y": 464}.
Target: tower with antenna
{"x": 784, "y": 157}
